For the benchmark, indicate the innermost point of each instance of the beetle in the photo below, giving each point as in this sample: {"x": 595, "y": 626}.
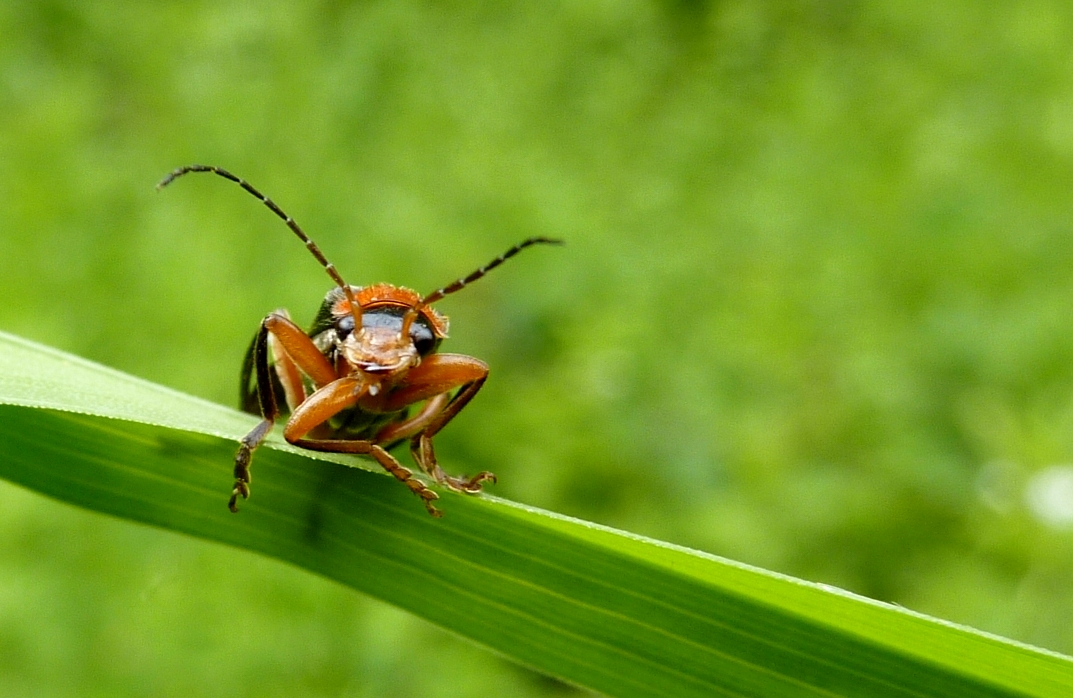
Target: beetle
{"x": 349, "y": 383}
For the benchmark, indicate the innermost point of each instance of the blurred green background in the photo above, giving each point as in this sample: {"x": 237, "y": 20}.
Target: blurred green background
{"x": 815, "y": 312}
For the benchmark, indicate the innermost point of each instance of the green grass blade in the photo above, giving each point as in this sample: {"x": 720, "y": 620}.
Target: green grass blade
{"x": 602, "y": 609}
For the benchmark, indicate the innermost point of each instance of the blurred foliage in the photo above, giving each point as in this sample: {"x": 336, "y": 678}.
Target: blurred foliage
{"x": 814, "y": 312}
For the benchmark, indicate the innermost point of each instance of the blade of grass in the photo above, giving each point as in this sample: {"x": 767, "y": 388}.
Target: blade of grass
{"x": 599, "y": 608}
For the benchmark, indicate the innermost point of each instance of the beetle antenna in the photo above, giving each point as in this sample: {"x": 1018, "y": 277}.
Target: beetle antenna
{"x": 466, "y": 280}
{"x": 458, "y": 285}
{"x": 355, "y": 309}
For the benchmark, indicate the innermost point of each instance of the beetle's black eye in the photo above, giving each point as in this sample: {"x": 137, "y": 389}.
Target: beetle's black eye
{"x": 423, "y": 338}
{"x": 344, "y": 326}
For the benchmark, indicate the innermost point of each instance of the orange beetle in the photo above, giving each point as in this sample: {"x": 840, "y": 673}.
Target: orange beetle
{"x": 350, "y": 381}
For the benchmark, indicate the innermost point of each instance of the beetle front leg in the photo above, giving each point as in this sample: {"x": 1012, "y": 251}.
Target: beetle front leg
{"x": 300, "y": 354}
{"x": 386, "y": 461}
{"x": 424, "y": 454}
{"x": 437, "y": 375}
{"x": 325, "y": 404}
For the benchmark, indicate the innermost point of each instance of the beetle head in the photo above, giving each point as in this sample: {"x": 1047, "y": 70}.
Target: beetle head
{"x": 396, "y": 330}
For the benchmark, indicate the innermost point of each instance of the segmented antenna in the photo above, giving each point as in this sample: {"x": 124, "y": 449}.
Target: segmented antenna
{"x": 465, "y": 281}
{"x": 458, "y": 285}
{"x": 355, "y": 309}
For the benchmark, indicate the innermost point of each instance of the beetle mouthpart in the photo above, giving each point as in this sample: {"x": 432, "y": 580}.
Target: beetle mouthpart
{"x": 375, "y": 368}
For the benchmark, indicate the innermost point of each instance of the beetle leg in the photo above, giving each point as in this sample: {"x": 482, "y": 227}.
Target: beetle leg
{"x": 407, "y": 428}
{"x": 438, "y": 375}
{"x": 293, "y": 351}
{"x": 290, "y": 376}
{"x": 269, "y": 411}
{"x": 386, "y": 461}
{"x": 423, "y": 452}
{"x": 247, "y": 395}
{"x": 326, "y": 403}
{"x": 301, "y": 349}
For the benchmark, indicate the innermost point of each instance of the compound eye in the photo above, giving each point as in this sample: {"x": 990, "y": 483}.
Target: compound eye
{"x": 344, "y": 326}
{"x": 423, "y": 339}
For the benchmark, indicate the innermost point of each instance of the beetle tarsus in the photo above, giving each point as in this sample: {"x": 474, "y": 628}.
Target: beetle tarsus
{"x": 469, "y": 485}
{"x": 240, "y": 489}
{"x": 427, "y": 498}
{"x": 242, "y": 462}
{"x": 425, "y": 455}
{"x": 406, "y": 477}
{"x": 242, "y": 477}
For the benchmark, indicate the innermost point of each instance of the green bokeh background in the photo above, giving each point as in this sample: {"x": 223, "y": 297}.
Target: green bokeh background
{"x": 815, "y": 312}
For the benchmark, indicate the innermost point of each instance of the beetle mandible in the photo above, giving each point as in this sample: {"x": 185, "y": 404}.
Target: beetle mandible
{"x": 349, "y": 382}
